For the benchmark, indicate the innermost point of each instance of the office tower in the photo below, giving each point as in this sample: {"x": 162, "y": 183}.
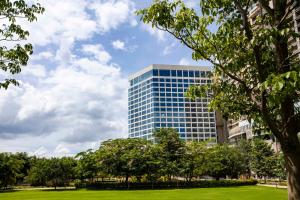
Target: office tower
{"x": 156, "y": 99}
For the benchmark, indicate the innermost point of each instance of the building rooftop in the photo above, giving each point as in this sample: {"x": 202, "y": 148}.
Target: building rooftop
{"x": 164, "y": 66}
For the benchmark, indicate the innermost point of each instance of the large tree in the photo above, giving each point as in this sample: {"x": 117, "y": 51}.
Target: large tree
{"x": 256, "y": 72}
{"x": 172, "y": 151}
{"x": 13, "y": 52}
{"x": 123, "y": 157}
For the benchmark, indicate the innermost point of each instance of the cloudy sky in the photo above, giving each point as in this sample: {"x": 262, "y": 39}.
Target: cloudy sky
{"x": 73, "y": 93}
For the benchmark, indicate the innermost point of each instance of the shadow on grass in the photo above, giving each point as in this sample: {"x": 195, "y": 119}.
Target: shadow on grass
{"x": 8, "y": 191}
{"x": 58, "y": 190}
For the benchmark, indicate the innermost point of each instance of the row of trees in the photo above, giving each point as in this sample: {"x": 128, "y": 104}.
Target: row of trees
{"x": 140, "y": 160}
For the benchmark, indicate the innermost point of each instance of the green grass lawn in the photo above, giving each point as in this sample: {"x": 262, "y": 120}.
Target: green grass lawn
{"x": 230, "y": 193}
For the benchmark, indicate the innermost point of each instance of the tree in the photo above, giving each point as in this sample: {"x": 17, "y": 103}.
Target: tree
{"x": 280, "y": 169}
{"x": 245, "y": 149}
{"x": 37, "y": 175}
{"x": 14, "y": 55}
{"x": 123, "y": 157}
{"x": 10, "y": 168}
{"x": 263, "y": 159}
{"x": 87, "y": 167}
{"x": 152, "y": 162}
{"x": 53, "y": 171}
{"x": 192, "y": 162}
{"x": 27, "y": 162}
{"x": 172, "y": 150}
{"x": 256, "y": 72}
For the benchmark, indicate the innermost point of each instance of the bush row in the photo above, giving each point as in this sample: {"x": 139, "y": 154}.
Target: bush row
{"x": 164, "y": 185}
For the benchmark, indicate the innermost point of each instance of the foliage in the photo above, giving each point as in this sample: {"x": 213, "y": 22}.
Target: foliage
{"x": 123, "y": 157}
{"x": 256, "y": 71}
{"x": 137, "y": 163}
{"x": 87, "y": 166}
{"x": 13, "y": 53}
{"x": 168, "y": 185}
{"x": 9, "y": 169}
{"x": 263, "y": 160}
{"x": 172, "y": 150}
{"x": 192, "y": 164}
{"x": 53, "y": 172}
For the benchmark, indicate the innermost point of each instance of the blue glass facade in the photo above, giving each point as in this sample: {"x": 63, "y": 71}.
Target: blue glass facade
{"x": 156, "y": 99}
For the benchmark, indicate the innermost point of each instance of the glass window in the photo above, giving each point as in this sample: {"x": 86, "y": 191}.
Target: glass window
{"x": 155, "y": 72}
{"x": 185, "y": 73}
{"x": 173, "y": 72}
{"x": 197, "y": 74}
{"x": 179, "y": 73}
{"x": 164, "y": 72}
{"x": 191, "y": 73}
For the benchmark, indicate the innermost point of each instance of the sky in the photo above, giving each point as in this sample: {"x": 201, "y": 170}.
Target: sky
{"x": 73, "y": 92}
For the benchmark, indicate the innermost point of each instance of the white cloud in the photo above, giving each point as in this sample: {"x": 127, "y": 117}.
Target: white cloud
{"x": 42, "y": 55}
{"x": 192, "y": 3}
{"x": 111, "y": 14}
{"x": 160, "y": 35}
{"x": 37, "y": 70}
{"x": 118, "y": 44}
{"x": 97, "y": 51}
{"x": 168, "y": 49}
{"x": 80, "y": 98}
{"x": 62, "y": 19}
{"x": 187, "y": 61}
{"x": 83, "y": 102}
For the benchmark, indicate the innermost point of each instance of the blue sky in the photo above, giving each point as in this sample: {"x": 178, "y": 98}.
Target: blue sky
{"x": 73, "y": 93}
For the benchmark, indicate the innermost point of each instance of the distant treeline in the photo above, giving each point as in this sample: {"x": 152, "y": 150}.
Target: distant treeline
{"x": 133, "y": 161}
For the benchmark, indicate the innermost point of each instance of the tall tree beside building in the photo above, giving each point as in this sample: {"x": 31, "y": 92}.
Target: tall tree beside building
{"x": 256, "y": 73}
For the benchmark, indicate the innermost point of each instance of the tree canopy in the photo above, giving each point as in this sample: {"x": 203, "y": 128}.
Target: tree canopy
{"x": 256, "y": 71}
{"x": 13, "y": 53}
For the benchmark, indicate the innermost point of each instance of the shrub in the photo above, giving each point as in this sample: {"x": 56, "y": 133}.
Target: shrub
{"x": 164, "y": 185}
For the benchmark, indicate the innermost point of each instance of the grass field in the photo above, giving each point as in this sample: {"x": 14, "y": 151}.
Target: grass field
{"x": 231, "y": 193}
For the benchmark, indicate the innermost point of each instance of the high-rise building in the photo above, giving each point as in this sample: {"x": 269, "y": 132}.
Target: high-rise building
{"x": 156, "y": 100}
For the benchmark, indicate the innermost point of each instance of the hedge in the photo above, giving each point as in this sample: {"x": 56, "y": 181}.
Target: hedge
{"x": 164, "y": 185}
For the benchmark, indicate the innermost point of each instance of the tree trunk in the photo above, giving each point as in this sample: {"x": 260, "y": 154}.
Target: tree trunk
{"x": 293, "y": 168}
{"x": 126, "y": 180}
